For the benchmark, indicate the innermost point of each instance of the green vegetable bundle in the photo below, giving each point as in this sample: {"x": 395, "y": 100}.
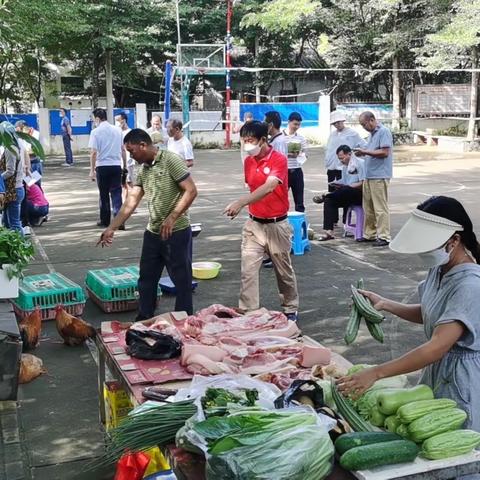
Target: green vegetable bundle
{"x": 264, "y": 445}
{"x": 217, "y": 400}
{"x": 141, "y": 431}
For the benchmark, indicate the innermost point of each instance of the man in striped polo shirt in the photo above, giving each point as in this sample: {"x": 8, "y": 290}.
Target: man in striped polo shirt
{"x": 165, "y": 181}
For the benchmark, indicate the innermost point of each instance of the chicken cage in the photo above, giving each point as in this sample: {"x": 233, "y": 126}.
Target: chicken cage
{"x": 46, "y": 291}
{"x": 114, "y": 289}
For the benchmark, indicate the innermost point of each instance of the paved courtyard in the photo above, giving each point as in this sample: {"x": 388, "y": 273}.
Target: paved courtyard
{"x": 58, "y": 417}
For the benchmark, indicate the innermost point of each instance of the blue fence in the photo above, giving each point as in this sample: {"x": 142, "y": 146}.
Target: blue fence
{"x": 30, "y": 118}
{"x": 86, "y": 125}
{"x": 308, "y": 111}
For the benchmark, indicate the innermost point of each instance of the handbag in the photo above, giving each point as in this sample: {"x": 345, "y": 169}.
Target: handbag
{"x": 10, "y": 188}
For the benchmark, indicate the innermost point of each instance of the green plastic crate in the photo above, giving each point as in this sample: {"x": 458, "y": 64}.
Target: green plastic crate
{"x": 114, "y": 284}
{"x": 47, "y": 291}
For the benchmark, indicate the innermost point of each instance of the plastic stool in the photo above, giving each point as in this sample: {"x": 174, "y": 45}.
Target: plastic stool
{"x": 355, "y": 229}
{"x": 300, "y": 242}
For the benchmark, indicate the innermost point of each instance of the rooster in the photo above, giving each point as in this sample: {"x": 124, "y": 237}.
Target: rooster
{"x": 73, "y": 330}
{"x": 30, "y": 328}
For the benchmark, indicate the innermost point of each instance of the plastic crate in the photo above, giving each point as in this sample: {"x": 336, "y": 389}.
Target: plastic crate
{"x": 112, "y": 284}
{"x": 47, "y": 291}
{"x": 49, "y": 313}
{"x": 114, "y": 289}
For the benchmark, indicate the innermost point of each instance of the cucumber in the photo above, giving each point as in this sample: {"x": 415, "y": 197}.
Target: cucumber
{"x": 365, "y": 307}
{"x": 358, "y": 439}
{"x": 389, "y": 402}
{"x": 353, "y": 325}
{"x": 377, "y": 454}
{"x": 376, "y": 331}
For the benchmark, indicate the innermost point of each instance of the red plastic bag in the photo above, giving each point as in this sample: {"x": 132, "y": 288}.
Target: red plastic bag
{"x": 132, "y": 466}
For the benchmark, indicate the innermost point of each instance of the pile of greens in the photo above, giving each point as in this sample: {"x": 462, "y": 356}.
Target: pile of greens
{"x": 15, "y": 251}
{"x": 263, "y": 445}
{"x": 216, "y": 401}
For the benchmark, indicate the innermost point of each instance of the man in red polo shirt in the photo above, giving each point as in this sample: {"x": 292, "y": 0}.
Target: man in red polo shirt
{"x": 267, "y": 230}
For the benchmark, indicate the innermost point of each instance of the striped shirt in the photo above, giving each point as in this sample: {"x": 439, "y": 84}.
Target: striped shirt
{"x": 160, "y": 183}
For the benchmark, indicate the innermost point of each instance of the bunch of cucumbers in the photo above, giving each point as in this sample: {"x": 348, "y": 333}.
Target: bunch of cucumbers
{"x": 362, "y": 308}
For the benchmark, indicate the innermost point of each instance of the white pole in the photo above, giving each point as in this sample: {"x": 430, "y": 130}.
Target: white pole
{"x": 179, "y": 41}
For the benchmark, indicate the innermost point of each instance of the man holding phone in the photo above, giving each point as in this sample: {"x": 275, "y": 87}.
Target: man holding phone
{"x": 378, "y": 156}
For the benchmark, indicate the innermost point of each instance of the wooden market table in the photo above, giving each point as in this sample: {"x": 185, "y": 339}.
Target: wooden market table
{"x": 186, "y": 464}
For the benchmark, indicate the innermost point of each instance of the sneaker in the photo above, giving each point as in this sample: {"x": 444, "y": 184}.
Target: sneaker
{"x": 380, "y": 242}
{"x": 121, "y": 227}
{"x": 267, "y": 263}
{"x": 293, "y": 316}
{"x": 318, "y": 199}
{"x": 100, "y": 224}
{"x": 39, "y": 222}
{"x": 67, "y": 164}
{"x": 27, "y": 230}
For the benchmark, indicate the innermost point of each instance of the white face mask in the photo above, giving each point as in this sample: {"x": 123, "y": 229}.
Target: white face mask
{"x": 435, "y": 258}
{"x": 252, "y": 149}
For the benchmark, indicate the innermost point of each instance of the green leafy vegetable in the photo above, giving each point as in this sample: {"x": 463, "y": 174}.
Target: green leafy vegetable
{"x": 15, "y": 251}
{"x": 216, "y": 400}
{"x": 264, "y": 445}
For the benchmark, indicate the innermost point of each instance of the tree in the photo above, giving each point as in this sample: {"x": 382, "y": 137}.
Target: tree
{"x": 457, "y": 45}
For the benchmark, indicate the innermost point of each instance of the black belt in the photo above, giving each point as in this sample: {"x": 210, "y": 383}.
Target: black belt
{"x": 269, "y": 220}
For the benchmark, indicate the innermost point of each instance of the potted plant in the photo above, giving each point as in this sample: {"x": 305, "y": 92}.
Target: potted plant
{"x": 15, "y": 253}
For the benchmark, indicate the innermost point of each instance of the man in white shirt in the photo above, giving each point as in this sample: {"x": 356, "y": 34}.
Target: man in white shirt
{"x": 275, "y": 136}
{"x": 178, "y": 143}
{"x": 297, "y": 148}
{"x": 106, "y": 163}
{"x": 121, "y": 121}
{"x": 156, "y": 131}
{"x": 342, "y": 135}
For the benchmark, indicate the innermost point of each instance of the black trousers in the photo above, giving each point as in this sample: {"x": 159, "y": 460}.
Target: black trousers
{"x": 342, "y": 197}
{"x": 296, "y": 183}
{"x": 109, "y": 182}
{"x": 174, "y": 254}
{"x": 331, "y": 176}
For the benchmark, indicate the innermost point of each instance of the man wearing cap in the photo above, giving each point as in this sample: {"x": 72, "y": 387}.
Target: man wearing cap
{"x": 342, "y": 135}
{"x": 440, "y": 235}
{"x": 378, "y": 172}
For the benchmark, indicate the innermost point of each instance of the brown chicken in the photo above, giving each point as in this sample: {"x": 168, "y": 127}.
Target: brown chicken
{"x": 73, "y": 330}
{"x": 30, "y": 329}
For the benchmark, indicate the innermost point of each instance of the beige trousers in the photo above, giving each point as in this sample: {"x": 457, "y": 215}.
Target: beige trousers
{"x": 275, "y": 239}
{"x": 375, "y": 208}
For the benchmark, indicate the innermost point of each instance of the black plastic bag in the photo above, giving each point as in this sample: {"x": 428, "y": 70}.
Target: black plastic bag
{"x": 301, "y": 391}
{"x": 140, "y": 345}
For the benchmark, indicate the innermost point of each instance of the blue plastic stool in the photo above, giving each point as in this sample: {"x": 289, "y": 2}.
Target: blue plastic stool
{"x": 300, "y": 242}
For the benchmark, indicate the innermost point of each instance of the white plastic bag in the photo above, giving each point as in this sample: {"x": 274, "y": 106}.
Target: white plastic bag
{"x": 267, "y": 392}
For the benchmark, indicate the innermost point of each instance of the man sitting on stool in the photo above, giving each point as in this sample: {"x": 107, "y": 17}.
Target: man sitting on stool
{"x": 348, "y": 190}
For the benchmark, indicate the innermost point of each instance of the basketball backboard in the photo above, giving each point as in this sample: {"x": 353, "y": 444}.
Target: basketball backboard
{"x": 196, "y": 58}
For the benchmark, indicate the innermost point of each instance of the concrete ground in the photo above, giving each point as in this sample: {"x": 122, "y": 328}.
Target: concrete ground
{"x": 58, "y": 414}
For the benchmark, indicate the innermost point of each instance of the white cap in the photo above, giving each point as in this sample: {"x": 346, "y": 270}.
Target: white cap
{"x": 337, "y": 116}
{"x": 423, "y": 232}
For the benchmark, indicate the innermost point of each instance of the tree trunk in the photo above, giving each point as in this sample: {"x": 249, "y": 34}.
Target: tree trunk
{"x": 109, "y": 85}
{"x": 473, "y": 98}
{"x": 396, "y": 94}
{"x": 95, "y": 79}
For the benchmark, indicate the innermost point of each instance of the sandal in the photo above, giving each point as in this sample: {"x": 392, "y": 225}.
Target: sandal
{"x": 325, "y": 237}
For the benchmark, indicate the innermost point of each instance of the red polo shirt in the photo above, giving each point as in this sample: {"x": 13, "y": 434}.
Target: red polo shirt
{"x": 274, "y": 164}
